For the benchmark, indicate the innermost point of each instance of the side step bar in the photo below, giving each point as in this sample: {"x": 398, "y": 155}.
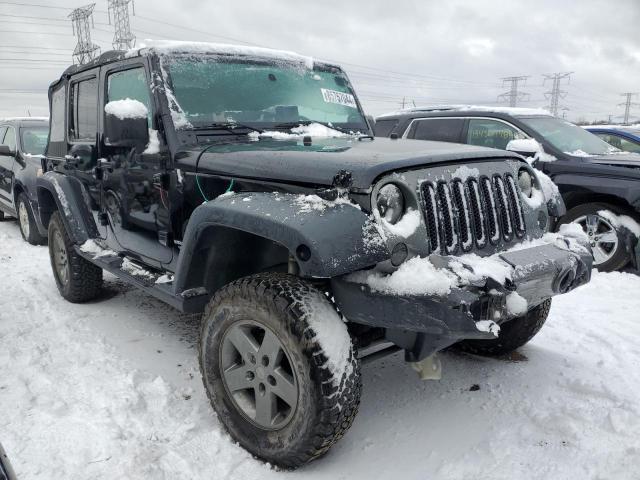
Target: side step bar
{"x": 190, "y": 301}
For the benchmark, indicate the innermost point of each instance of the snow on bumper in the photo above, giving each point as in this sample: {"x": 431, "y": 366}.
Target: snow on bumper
{"x": 465, "y": 297}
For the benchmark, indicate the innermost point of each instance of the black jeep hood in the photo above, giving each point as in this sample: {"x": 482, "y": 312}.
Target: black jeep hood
{"x": 618, "y": 159}
{"x": 290, "y": 161}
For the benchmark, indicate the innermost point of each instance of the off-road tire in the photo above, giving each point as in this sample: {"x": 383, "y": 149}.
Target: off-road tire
{"x": 326, "y": 406}
{"x": 84, "y": 278}
{"x": 621, "y": 257}
{"x": 513, "y": 333}
{"x": 33, "y": 236}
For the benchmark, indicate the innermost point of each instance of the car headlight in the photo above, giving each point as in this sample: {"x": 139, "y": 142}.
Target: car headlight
{"x": 525, "y": 181}
{"x": 390, "y": 203}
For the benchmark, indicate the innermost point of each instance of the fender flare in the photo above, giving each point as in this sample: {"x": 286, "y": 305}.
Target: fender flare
{"x": 339, "y": 237}
{"x": 70, "y": 200}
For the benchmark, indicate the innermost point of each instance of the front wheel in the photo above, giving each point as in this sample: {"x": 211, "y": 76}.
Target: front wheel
{"x": 513, "y": 333}
{"x": 77, "y": 279}
{"x": 607, "y": 242}
{"x": 279, "y": 368}
{"x": 27, "y": 223}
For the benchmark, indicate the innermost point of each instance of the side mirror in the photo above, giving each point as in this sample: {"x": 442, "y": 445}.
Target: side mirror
{"x": 5, "y": 150}
{"x": 527, "y": 147}
{"x": 126, "y": 124}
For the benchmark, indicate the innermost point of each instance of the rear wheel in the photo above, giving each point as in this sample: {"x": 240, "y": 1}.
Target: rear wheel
{"x": 27, "y": 222}
{"x": 283, "y": 388}
{"x": 77, "y": 279}
{"x": 513, "y": 334}
{"x": 607, "y": 243}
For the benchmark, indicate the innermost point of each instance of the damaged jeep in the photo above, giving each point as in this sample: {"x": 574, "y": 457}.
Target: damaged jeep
{"x": 245, "y": 183}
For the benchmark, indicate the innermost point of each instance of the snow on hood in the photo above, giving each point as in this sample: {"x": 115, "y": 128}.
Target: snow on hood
{"x": 312, "y": 130}
{"x": 173, "y": 46}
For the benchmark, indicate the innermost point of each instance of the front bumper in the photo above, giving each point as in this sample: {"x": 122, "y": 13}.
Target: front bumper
{"x": 431, "y": 322}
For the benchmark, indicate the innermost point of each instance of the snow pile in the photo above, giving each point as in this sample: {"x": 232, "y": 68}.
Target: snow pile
{"x": 573, "y": 230}
{"x": 416, "y": 276}
{"x": 312, "y": 130}
{"x": 136, "y": 270}
{"x": 516, "y": 305}
{"x": 472, "y": 268}
{"x": 111, "y": 389}
{"x": 465, "y": 108}
{"x": 330, "y": 331}
{"x": 127, "y": 108}
{"x": 579, "y": 153}
{"x": 465, "y": 172}
{"x": 154, "y": 142}
{"x": 173, "y": 46}
{"x": 621, "y": 221}
{"x": 313, "y": 203}
{"x": 488, "y": 326}
{"x": 406, "y": 226}
{"x": 90, "y": 246}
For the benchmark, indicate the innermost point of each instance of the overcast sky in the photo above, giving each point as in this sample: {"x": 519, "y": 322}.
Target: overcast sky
{"x": 427, "y": 52}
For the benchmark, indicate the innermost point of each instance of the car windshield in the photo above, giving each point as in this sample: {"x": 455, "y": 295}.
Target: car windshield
{"x": 34, "y": 139}
{"x": 567, "y": 137}
{"x": 210, "y": 89}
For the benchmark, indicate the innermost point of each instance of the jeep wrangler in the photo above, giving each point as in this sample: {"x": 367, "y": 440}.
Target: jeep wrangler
{"x": 245, "y": 183}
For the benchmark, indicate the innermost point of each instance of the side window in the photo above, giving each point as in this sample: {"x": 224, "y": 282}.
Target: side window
{"x": 491, "y": 133}
{"x": 611, "y": 139}
{"x": 383, "y": 128}
{"x": 129, "y": 84}
{"x": 83, "y": 106}
{"x": 439, "y": 129}
{"x": 10, "y": 139}
{"x": 57, "y": 114}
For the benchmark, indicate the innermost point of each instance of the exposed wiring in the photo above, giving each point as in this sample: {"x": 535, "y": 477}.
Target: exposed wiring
{"x": 198, "y": 177}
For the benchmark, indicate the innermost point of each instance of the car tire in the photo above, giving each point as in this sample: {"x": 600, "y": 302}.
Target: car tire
{"x": 27, "y": 223}
{"x": 262, "y": 307}
{"x": 77, "y": 279}
{"x": 513, "y": 333}
{"x": 615, "y": 255}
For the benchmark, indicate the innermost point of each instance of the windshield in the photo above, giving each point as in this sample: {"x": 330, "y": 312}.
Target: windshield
{"x": 34, "y": 140}
{"x": 567, "y": 137}
{"x": 212, "y": 89}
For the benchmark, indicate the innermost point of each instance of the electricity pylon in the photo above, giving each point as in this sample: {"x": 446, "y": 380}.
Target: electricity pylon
{"x": 555, "y": 94}
{"x": 513, "y": 95}
{"x": 123, "y": 39}
{"x": 628, "y": 104}
{"x": 85, "y": 50}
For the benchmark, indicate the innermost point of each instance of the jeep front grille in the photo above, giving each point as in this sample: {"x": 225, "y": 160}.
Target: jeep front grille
{"x": 460, "y": 215}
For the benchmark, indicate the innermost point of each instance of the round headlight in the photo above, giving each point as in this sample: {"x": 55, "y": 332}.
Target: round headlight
{"x": 390, "y": 203}
{"x": 525, "y": 181}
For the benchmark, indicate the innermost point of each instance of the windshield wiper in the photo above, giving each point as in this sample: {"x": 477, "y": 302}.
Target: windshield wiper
{"x": 230, "y": 126}
{"x": 309, "y": 122}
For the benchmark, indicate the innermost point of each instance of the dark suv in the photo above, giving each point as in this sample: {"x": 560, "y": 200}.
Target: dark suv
{"x": 245, "y": 183}
{"x": 600, "y": 184}
{"x": 22, "y": 144}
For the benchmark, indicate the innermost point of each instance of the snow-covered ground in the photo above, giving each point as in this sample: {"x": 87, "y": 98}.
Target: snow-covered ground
{"x": 111, "y": 390}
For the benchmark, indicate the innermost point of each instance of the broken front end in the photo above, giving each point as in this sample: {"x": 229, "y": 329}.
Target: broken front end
{"x": 469, "y": 250}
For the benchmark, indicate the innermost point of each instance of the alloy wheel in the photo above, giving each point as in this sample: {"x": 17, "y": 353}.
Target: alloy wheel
{"x": 258, "y": 376}
{"x": 60, "y": 258}
{"x": 23, "y": 218}
{"x": 602, "y": 237}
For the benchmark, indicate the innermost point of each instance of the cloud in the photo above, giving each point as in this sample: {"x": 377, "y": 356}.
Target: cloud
{"x": 427, "y": 52}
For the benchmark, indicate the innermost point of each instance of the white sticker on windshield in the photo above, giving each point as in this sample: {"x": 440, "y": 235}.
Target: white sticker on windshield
{"x": 340, "y": 98}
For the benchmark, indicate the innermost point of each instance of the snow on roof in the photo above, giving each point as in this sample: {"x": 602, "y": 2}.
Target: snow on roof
{"x": 172, "y": 46}
{"x": 24, "y": 119}
{"x": 471, "y": 108}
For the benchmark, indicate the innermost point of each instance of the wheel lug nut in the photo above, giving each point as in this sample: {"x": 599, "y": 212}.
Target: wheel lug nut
{"x": 265, "y": 361}
{"x": 272, "y": 380}
{"x": 250, "y": 376}
{"x": 262, "y": 389}
{"x": 252, "y": 359}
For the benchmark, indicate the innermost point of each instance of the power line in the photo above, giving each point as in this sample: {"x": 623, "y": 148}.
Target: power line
{"x": 513, "y": 95}
{"x": 555, "y": 94}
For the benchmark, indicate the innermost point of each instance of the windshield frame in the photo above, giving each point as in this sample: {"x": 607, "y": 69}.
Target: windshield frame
{"x": 204, "y": 130}
{"x": 526, "y": 121}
